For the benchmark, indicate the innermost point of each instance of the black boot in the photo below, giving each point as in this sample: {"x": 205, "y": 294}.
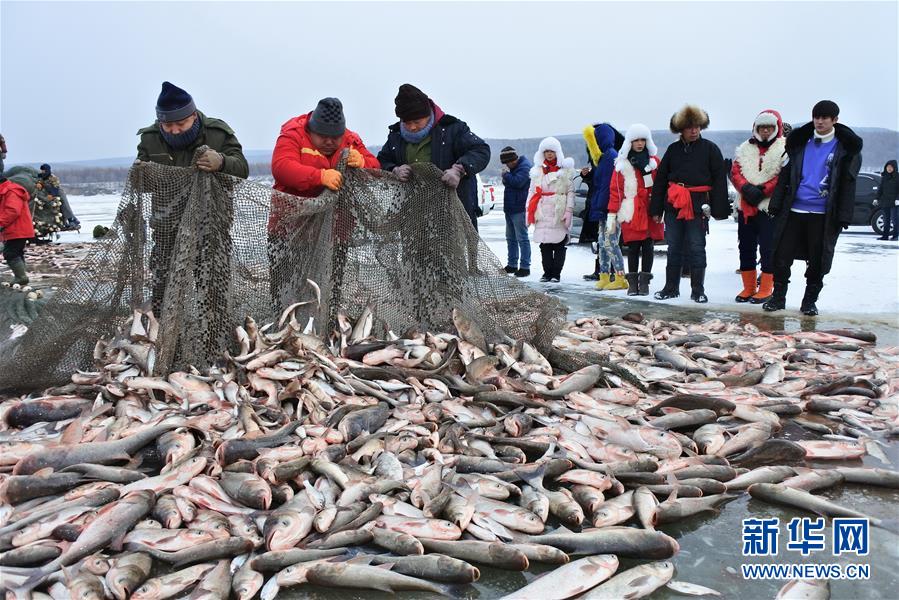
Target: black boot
{"x": 808, "y": 307}
{"x": 594, "y": 276}
{"x": 510, "y": 269}
{"x": 697, "y": 285}
{"x": 632, "y": 285}
{"x": 672, "y": 284}
{"x": 778, "y": 299}
{"x": 643, "y": 284}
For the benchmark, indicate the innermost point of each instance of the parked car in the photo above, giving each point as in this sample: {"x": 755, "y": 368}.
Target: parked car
{"x": 486, "y": 197}
{"x": 865, "y": 213}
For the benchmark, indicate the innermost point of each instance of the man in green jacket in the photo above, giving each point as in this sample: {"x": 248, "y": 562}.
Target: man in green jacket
{"x": 172, "y": 140}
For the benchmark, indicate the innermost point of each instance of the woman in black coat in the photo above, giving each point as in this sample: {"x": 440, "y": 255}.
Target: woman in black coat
{"x": 888, "y": 199}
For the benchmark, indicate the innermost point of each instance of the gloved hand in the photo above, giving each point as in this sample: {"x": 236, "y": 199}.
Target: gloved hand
{"x": 453, "y": 175}
{"x": 752, "y": 194}
{"x": 332, "y": 179}
{"x": 211, "y": 161}
{"x": 354, "y": 159}
{"x": 403, "y": 172}
{"x": 567, "y": 219}
{"x": 611, "y": 223}
{"x": 876, "y": 202}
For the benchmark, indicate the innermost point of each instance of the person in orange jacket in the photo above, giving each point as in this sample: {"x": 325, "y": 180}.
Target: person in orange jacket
{"x": 16, "y": 227}
{"x": 304, "y": 164}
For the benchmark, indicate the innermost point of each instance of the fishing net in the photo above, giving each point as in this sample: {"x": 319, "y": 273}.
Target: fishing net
{"x": 207, "y": 250}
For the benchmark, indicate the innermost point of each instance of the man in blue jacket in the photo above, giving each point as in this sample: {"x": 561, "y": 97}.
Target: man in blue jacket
{"x": 425, "y": 133}
{"x": 516, "y": 181}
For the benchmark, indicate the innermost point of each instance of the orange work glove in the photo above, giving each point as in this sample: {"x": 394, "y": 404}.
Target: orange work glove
{"x": 332, "y": 179}
{"x": 354, "y": 159}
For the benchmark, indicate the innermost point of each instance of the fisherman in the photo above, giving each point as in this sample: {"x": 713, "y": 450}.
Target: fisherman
{"x": 756, "y": 166}
{"x": 813, "y": 201}
{"x": 690, "y": 182}
{"x": 304, "y": 163}
{"x": 516, "y": 181}
{"x": 172, "y": 140}
{"x": 16, "y": 227}
{"x": 425, "y": 133}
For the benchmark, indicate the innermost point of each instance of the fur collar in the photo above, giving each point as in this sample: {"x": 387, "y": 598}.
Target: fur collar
{"x": 800, "y": 136}
{"x": 758, "y": 172}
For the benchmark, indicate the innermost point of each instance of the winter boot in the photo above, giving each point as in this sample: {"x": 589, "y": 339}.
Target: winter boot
{"x": 510, "y": 270}
{"x": 603, "y": 282}
{"x": 594, "y": 276}
{"x": 672, "y": 284}
{"x": 633, "y": 287}
{"x": 617, "y": 282}
{"x": 808, "y": 307}
{"x": 18, "y": 270}
{"x": 748, "y": 286}
{"x": 643, "y": 284}
{"x": 697, "y": 285}
{"x": 523, "y": 273}
{"x": 778, "y": 299}
{"x": 766, "y": 287}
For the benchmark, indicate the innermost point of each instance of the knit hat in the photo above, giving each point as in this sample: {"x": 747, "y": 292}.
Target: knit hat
{"x": 45, "y": 167}
{"x": 412, "y": 103}
{"x": 508, "y": 155}
{"x": 826, "y": 108}
{"x": 173, "y": 104}
{"x": 327, "y": 118}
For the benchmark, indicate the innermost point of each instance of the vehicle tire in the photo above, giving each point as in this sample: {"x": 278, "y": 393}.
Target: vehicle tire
{"x": 877, "y": 221}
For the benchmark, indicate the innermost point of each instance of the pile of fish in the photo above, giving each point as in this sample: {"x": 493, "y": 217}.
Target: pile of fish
{"x": 408, "y": 463}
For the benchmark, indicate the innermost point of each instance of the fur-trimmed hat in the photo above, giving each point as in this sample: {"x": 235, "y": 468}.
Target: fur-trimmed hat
{"x": 638, "y": 131}
{"x": 768, "y": 117}
{"x": 553, "y": 144}
{"x": 689, "y": 116}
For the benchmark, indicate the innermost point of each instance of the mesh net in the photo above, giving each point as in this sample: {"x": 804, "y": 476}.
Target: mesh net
{"x": 207, "y": 250}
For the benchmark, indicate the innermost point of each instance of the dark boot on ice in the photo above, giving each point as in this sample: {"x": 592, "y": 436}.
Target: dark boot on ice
{"x": 643, "y": 284}
{"x": 633, "y": 284}
{"x": 672, "y": 284}
{"x": 808, "y": 307}
{"x": 19, "y": 271}
{"x": 697, "y": 285}
{"x": 778, "y": 299}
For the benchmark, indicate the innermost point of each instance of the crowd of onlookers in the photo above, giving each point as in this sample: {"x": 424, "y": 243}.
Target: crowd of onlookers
{"x": 795, "y": 188}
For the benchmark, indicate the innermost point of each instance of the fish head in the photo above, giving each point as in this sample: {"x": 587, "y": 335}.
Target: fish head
{"x": 150, "y": 590}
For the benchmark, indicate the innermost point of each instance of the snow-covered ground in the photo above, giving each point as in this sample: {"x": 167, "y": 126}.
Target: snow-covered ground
{"x": 864, "y": 279}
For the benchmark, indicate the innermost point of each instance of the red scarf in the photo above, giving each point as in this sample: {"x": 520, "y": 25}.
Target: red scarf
{"x": 550, "y": 167}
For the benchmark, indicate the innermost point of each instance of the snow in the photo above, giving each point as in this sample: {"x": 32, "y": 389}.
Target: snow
{"x": 863, "y": 283}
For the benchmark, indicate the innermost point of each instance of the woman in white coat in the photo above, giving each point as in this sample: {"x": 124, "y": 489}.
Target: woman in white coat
{"x": 550, "y": 205}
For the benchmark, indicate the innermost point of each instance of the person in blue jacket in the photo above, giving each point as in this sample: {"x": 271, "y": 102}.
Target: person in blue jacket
{"x": 602, "y": 143}
{"x": 516, "y": 181}
{"x": 424, "y": 133}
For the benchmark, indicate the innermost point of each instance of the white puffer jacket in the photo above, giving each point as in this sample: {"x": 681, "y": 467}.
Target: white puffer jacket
{"x": 552, "y": 219}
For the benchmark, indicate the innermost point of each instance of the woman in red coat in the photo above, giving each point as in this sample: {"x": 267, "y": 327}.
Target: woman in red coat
{"x": 629, "y": 192}
{"x": 16, "y": 227}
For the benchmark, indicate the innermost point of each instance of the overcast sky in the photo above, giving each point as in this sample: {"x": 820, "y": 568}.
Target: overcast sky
{"x": 78, "y": 79}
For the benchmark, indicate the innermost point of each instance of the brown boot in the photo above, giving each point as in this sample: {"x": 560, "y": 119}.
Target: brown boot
{"x": 766, "y": 288}
{"x": 749, "y": 279}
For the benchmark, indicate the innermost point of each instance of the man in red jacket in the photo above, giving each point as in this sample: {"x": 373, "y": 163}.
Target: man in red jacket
{"x": 15, "y": 227}
{"x": 304, "y": 164}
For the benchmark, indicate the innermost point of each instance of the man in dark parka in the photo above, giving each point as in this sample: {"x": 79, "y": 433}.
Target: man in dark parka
{"x": 813, "y": 202}
{"x": 425, "y": 133}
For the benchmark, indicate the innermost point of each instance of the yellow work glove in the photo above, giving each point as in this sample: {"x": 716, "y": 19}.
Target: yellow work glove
{"x": 332, "y": 179}
{"x": 354, "y": 159}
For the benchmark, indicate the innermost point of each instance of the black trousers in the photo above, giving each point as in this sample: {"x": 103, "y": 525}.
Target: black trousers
{"x": 754, "y": 234}
{"x": 804, "y": 235}
{"x": 553, "y": 256}
{"x": 14, "y": 249}
{"x": 635, "y": 250}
